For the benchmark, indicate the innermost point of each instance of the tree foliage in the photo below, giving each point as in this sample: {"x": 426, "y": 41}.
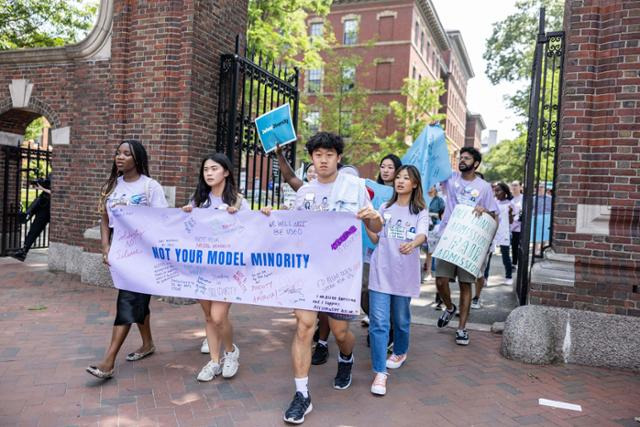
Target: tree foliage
{"x": 345, "y": 108}
{"x": 44, "y": 23}
{"x": 278, "y": 29}
{"x": 505, "y": 161}
{"x": 509, "y": 50}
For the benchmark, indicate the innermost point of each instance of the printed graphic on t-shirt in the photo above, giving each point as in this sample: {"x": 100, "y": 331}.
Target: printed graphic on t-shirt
{"x": 311, "y": 204}
{"x": 467, "y": 195}
{"x": 124, "y": 200}
{"x": 395, "y": 229}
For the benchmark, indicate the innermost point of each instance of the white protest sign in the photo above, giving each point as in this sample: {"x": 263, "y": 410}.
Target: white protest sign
{"x": 466, "y": 239}
{"x": 297, "y": 259}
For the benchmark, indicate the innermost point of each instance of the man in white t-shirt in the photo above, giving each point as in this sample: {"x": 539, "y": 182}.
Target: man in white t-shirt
{"x": 330, "y": 191}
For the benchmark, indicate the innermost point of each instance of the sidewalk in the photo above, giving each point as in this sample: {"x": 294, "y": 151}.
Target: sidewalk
{"x": 498, "y": 300}
{"x": 52, "y": 326}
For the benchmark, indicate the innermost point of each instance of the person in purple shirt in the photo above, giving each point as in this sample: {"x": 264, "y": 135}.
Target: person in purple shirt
{"x": 394, "y": 277}
{"x": 468, "y": 189}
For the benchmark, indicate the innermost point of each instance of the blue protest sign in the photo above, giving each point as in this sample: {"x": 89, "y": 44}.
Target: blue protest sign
{"x": 429, "y": 153}
{"x": 381, "y": 193}
{"x": 275, "y": 127}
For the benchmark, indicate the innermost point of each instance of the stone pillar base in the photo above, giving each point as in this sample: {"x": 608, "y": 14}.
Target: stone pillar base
{"x": 542, "y": 335}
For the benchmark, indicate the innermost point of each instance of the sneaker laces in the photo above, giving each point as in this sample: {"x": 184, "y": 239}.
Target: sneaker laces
{"x": 344, "y": 368}
{"x": 396, "y": 358}
{"x": 380, "y": 380}
{"x": 298, "y": 404}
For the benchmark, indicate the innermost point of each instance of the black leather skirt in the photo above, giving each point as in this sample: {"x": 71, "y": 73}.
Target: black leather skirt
{"x": 133, "y": 307}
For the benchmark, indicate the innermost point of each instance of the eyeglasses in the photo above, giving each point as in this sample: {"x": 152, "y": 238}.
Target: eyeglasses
{"x": 465, "y": 158}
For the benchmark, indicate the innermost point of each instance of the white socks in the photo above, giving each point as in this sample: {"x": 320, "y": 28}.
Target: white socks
{"x": 302, "y": 385}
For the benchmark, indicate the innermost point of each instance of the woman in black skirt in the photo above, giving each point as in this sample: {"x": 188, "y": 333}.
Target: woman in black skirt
{"x": 128, "y": 184}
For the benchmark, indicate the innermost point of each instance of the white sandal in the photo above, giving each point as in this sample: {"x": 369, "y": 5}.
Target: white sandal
{"x": 99, "y": 373}
{"x": 132, "y": 357}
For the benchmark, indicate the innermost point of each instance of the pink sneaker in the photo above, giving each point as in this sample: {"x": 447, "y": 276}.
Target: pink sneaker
{"x": 379, "y": 385}
{"x": 394, "y": 361}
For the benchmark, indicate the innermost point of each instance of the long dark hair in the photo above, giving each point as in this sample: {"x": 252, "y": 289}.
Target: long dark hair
{"x": 230, "y": 192}
{"x": 396, "y": 164}
{"x": 141, "y": 160}
{"x": 505, "y": 188}
{"x": 416, "y": 202}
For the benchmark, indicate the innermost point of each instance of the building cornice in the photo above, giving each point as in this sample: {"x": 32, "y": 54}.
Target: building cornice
{"x": 96, "y": 46}
{"x": 461, "y": 52}
{"x": 429, "y": 12}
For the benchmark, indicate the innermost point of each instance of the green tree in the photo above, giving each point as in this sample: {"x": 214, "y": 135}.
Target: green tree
{"x": 505, "y": 161}
{"x": 44, "y": 23}
{"x": 344, "y": 106}
{"x": 278, "y": 29}
{"x": 509, "y": 50}
{"x": 421, "y": 109}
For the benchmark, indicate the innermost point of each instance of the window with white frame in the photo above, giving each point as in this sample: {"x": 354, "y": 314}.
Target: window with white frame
{"x": 348, "y": 78}
{"x": 316, "y": 29}
{"x": 314, "y": 80}
{"x": 350, "y": 35}
{"x": 313, "y": 121}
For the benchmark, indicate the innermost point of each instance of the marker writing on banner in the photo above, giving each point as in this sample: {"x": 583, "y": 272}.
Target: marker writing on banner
{"x": 263, "y": 259}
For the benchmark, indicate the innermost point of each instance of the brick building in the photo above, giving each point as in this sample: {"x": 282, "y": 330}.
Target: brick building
{"x": 473, "y": 131}
{"x": 401, "y": 39}
{"x": 148, "y": 70}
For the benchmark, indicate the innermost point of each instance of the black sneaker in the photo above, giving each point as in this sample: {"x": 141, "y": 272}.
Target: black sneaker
{"x": 320, "y": 355}
{"x": 462, "y": 337}
{"x": 21, "y": 255}
{"x": 342, "y": 380}
{"x": 298, "y": 408}
{"x": 446, "y": 316}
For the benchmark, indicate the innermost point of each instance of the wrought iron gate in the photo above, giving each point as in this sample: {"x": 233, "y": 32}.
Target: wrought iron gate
{"x": 22, "y": 166}
{"x": 541, "y": 160}
{"x": 249, "y": 87}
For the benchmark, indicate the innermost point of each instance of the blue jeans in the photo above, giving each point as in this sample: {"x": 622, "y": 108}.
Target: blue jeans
{"x": 381, "y": 307}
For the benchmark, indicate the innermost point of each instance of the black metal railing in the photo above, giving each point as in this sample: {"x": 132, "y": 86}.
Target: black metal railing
{"x": 22, "y": 167}
{"x": 541, "y": 159}
{"x": 250, "y": 86}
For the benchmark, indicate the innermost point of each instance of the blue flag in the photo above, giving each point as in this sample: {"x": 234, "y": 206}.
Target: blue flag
{"x": 429, "y": 153}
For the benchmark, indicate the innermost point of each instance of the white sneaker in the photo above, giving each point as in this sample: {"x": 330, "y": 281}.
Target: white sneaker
{"x": 204, "y": 348}
{"x": 509, "y": 281}
{"x": 476, "y": 303}
{"x": 379, "y": 385}
{"x": 394, "y": 361}
{"x": 230, "y": 365}
{"x": 209, "y": 371}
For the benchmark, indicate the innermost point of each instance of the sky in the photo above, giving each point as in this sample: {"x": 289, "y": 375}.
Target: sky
{"x": 475, "y": 19}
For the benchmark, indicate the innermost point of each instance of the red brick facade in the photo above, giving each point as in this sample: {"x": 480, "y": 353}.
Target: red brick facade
{"x": 597, "y": 205}
{"x": 159, "y": 84}
{"x": 399, "y": 39}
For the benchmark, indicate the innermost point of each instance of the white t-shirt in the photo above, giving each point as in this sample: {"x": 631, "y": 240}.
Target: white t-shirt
{"x": 142, "y": 192}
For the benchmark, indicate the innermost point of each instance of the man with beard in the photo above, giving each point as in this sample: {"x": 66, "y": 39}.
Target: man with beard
{"x": 468, "y": 189}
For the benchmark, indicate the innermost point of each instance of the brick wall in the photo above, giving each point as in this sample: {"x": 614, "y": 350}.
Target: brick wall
{"x": 159, "y": 85}
{"x": 599, "y": 158}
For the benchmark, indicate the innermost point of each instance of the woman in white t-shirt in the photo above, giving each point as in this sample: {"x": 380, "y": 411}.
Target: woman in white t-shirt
{"x": 129, "y": 184}
{"x": 217, "y": 189}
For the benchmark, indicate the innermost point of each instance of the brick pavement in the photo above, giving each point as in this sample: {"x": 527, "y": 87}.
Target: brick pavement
{"x": 43, "y": 352}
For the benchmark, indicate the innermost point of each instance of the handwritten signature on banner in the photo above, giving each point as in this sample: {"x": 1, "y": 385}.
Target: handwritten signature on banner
{"x": 309, "y": 260}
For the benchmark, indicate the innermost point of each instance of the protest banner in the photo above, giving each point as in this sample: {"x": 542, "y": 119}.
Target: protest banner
{"x": 466, "y": 239}
{"x": 276, "y": 128}
{"x": 296, "y": 259}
